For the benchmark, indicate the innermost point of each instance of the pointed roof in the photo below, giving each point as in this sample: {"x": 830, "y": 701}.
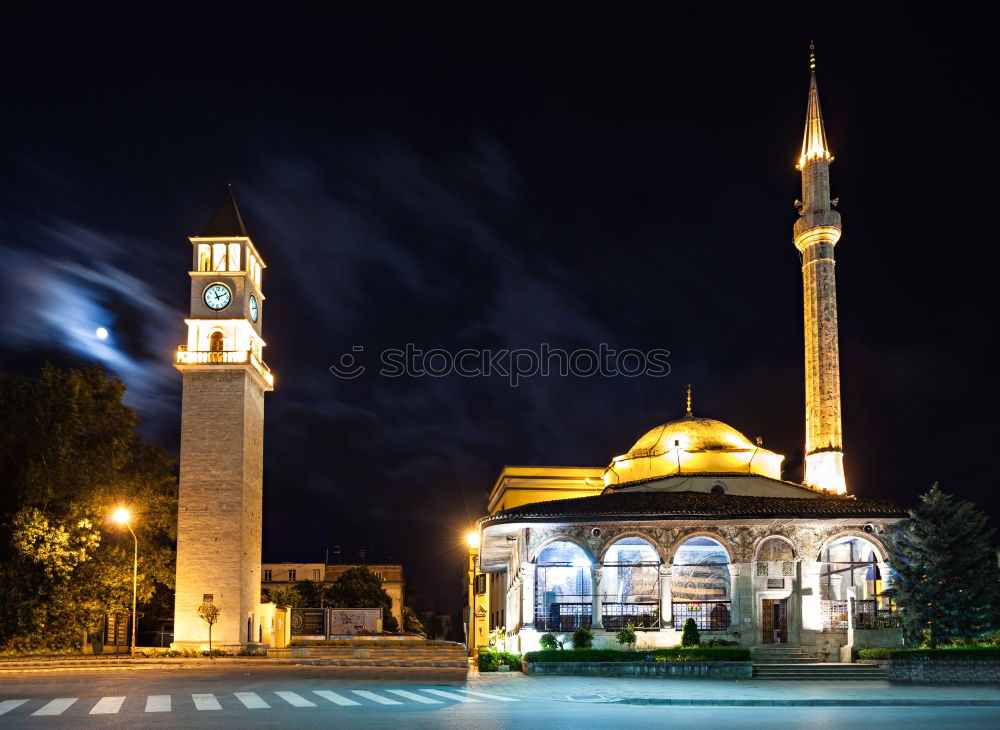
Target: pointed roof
{"x": 814, "y": 140}
{"x": 226, "y": 220}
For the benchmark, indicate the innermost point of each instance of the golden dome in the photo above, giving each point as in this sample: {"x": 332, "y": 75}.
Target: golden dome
{"x": 692, "y": 445}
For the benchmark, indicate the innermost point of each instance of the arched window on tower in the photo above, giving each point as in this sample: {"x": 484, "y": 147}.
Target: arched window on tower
{"x": 701, "y": 585}
{"x": 630, "y": 583}
{"x": 564, "y": 597}
{"x": 215, "y": 346}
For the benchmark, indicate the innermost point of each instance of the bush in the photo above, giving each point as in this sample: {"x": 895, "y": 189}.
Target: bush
{"x": 511, "y": 659}
{"x": 720, "y": 642}
{"x": 490, "y": 661}
{"x": 690, "y": 635}
{"x": 672, "y": 654}
{"x": 582, "y": 639}
{"x": 548, "y": 641}
{"x": 947, "y": 654}
{"x": 626, "y": 636}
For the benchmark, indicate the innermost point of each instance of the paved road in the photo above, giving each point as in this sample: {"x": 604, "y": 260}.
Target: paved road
{"x": 294, "y": 698}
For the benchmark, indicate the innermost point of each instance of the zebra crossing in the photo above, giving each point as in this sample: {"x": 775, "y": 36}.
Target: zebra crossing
{"x": 261, "y": 700}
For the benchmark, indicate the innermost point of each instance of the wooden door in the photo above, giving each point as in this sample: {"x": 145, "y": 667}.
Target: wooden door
{"x": 775, "y": 621}
{"x": 767, "y": 634}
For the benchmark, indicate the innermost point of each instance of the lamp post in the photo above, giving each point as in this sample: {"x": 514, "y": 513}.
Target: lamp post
{"x": 123, "y": 517}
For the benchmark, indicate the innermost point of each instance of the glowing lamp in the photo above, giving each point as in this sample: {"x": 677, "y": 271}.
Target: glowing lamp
{"x": 122, "y": 516}
{"x": 472, "y": 539}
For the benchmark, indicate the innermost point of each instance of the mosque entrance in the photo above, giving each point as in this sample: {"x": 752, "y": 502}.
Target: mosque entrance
{"x": 775, "y": 621}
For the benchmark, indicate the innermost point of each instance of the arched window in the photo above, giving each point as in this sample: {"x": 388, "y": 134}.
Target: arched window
{"x": 851, "y": 568}
{"x": 630, "y": 584}
{"x": 563, "y": 588}
{"x": 215, "y": 345}
{"x": 701, "y": 585}
{"x": 774, "y": 550}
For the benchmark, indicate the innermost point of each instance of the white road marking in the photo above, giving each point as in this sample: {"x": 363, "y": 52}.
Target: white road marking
{"x": 377, "y": 698}
{"x": 334, "y": 697}
{"x": 56, "y": 707}
{"x": 107, "y": 706}
{"x": 158, "y": 703}
{"x": 414, "y": 696}
{"x": 450, "y": 695}
{"x": 206, "y": 702}
{"x": 295, "y": 700}
{"x": 8, "y": 705}
{"x": 486, "y": 694}
{"x": 251, "y": 700}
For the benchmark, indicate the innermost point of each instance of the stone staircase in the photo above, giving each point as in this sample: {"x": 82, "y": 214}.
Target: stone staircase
{"x": 435, "y": 657}
{"x": 781, "y": 661}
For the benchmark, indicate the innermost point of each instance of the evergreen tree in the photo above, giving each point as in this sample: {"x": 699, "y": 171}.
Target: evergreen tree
{"x": 360, "y": 588}
{"x": 690, "y": 636}
{"x": 946, "y": 572}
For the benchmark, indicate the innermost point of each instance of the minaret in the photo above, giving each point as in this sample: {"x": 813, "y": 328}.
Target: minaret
{"x": 222, "y": 437}
{"x": 816, "y": 233}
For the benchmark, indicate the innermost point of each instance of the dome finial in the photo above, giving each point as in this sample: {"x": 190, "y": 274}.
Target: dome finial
{"x": 689, "y": 401}
{"x": 812, "y": 56}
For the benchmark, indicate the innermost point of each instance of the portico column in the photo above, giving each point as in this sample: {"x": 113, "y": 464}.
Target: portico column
{"x": 666, "y": 596}
{"x": 528, "y": 596}
{"x": 596, "y": 621}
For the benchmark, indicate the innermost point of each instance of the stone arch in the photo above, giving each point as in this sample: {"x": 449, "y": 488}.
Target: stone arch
{"x": 561, "y": 538}
{"x": 772, "y": 536}
{"x": 611, "y": 540}
{"x": 718, "y": 537}
{"x": 880, "y": 550}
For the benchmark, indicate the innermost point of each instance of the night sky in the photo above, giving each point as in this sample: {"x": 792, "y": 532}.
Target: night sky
{"x": 616, "y": 174}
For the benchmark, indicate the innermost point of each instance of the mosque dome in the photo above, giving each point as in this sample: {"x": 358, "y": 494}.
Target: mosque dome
{"x": 692, "y": 445}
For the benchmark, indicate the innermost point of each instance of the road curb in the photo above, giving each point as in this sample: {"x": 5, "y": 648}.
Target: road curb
{"x": 802, "y": 703}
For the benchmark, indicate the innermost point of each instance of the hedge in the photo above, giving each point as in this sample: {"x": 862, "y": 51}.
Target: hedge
{"x": 672, "y": 654}
{"x": 947, "y": 654}
{"x": 490, "y": 661}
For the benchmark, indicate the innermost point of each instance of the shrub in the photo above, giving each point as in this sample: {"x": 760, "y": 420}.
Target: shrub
{"x": 953, "y": 654}
{"x": 511, "y": 659}
{"x": 690, "y": 635}
{"x": 720, "y": 642}
{"x": 582, "y": 639}
{"x": 672, "y": 654}
{"x": 548, "y": 641}
{"x": 489, "y": 661}
{"x": 626, "y": 636}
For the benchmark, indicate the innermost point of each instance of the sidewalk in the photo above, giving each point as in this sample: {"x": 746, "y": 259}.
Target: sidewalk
{"x": 729, "y": 692}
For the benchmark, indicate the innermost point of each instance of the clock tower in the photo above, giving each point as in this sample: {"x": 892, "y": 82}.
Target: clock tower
{"x": 222, "y": 437}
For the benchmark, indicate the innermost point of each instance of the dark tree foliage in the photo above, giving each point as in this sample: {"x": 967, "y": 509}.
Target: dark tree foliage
{"x": 310, "y": 594}
{"x": 360, "y": 588}
{"x": 946, "y": 572}
{"x": 69, "y": 455}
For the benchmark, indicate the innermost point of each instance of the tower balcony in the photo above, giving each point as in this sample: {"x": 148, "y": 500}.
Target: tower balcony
{"x": 224, "y": 357}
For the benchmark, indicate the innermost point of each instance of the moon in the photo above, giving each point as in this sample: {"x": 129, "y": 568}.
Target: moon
{"x": 102, "y": 333}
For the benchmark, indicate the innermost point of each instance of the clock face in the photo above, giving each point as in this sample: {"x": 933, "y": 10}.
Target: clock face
{"x": 254, "y": 310}
{"x": 218, "y": 296}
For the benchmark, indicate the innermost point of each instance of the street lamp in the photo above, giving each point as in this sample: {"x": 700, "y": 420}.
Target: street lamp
{"x": 123, "y": 517}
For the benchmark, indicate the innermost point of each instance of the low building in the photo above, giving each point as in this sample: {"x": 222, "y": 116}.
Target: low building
{"x": 283, "y": 575}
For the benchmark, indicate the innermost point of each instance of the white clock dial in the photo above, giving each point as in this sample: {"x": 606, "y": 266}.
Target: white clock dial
{"x": 218, "y": 296}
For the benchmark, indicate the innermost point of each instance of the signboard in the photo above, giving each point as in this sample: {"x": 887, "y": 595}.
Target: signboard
{"x": 308, "y": 622}
{"x": 351, "y": 621}
{"x": 775, "y": 582}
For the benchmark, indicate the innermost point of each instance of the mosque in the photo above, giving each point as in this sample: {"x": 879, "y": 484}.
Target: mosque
{"x": 695, "y": 520}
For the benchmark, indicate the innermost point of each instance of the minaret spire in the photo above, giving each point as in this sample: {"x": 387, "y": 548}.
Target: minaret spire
{"x": 816, "y": 233}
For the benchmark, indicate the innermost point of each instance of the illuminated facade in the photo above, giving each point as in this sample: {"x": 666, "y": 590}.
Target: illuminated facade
{"x": 222, "y": 438}
{"x": 695, "y": 520}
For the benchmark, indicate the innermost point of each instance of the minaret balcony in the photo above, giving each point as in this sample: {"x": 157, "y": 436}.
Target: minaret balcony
{"x": 224, "y": 357}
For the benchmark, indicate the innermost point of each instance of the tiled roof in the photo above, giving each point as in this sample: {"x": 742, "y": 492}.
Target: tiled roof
{"x": 687, "y": 505}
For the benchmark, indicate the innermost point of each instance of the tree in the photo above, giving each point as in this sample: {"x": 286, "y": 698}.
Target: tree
{"x": 945, "y": 570}
{"x": 625, "y": 636}
{"x": 310, "y": 594}
{"x": 584, "y": 639}
{"x": 360, "y": 588}
{"x": 690, "y": 635}
{"x": 69, "y": 454}
{"x": 411, "y": 622}
{"x": 209, "y": 612}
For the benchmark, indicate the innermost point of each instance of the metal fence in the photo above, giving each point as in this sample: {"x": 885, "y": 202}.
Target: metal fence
{"x": 645, "y": 615}
{"x": 558, "y": 616}
{"x": 834, "y": 615}
{"x": 877, "y": 613}
{"x": 707, "y": 615}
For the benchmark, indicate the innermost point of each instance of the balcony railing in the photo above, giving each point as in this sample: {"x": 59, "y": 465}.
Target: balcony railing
{"x": 224, "y": 357}
{"x": 707, "y": 615}
{"x": 564, "y": 616}
{"x": 645, "y": 615}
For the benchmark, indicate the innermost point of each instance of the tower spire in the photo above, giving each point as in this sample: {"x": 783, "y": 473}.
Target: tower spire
{"x": 816, "y": 233}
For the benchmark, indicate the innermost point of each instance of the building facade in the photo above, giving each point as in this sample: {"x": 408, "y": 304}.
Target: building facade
{"x": 695, "y": 521}
{"x": 222, "y": 437}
